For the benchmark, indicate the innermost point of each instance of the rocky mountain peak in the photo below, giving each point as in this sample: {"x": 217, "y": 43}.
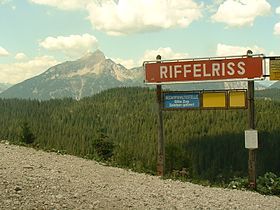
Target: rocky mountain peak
{"x": 86, "y": 76}
{"x": 93, "y": 57}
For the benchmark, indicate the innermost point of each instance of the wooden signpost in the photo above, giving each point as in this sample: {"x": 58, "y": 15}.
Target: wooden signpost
{"x": 248, "y": 68}
{"x": 161, "y": 147}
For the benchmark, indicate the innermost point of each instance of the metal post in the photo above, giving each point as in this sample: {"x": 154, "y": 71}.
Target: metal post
{"x": 161, "y": 147}
{"x": 251, "y": 125}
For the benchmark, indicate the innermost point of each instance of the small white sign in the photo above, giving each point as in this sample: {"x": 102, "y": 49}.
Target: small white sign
{"x": 251, "y": 139}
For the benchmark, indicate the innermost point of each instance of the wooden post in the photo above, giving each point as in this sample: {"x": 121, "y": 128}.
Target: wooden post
{"x": 251, "y": 125}
{"x": 161, "y": 146}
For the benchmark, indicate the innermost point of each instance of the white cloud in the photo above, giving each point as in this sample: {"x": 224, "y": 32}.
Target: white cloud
{"x": 241, "y": 12}
{"x": 63, "y": 4}
{"x": 117, "y": 17}
{"x": 228, "y": 50}
{"x": 17, "y": 72}
{"x": 166, "y": 53}
{"x": 213, "y": 6}
{"x": 150, "y": 55}
{"x": 3, "y": 52}
{"x": 278, "y": 10}
{"x": 277, "y": 25}
{"x": 277, "y": 29}
{"x": 4, "y": 1}
{"x": 131, "y": 16}
{"x": 8, "y": 3}
{"x": 20, "y": 56}
{"x": 73, "y": 45}
{"x": 129, "y": 63}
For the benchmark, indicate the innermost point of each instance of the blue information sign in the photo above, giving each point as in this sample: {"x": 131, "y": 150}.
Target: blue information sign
{"x": 181, "y": 100}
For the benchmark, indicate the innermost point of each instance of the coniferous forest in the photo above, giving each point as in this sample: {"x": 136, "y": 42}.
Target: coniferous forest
{"x": 120, "y": 125}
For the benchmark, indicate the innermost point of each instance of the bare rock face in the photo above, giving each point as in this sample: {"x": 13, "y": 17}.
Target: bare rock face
{"x": 31, "y": 179}
{"x": 86, "y": 76}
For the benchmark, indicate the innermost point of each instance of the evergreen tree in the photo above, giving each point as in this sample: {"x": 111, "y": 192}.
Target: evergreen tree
{"x": 26, "y": 136}
{"x": 103, "y": 146}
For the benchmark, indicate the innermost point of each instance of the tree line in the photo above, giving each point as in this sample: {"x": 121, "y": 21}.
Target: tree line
{"x": 120, "y": 125}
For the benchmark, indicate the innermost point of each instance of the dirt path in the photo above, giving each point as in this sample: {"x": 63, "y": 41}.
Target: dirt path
{"x": 31, "y": 179}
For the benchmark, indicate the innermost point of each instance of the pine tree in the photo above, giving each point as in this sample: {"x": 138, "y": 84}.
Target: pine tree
{"x": 26, "y": 136}
{"x": 103, "y": 146}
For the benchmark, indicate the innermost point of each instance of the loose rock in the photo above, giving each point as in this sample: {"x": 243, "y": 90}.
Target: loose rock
{"x": 33, "y": 179}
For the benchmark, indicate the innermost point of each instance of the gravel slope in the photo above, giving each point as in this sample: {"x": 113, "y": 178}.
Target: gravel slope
{"x": 31, "y": 179}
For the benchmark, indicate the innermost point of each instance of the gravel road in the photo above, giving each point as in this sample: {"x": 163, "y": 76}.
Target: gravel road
{"x": 31, "y": 179}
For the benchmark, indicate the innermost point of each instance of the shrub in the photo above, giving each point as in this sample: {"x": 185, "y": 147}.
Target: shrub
{"x": 238, "y": 183}
{"x": 269, "y": 184}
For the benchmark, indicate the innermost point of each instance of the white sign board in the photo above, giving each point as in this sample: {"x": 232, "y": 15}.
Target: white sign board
{"x": 251, "y": 139}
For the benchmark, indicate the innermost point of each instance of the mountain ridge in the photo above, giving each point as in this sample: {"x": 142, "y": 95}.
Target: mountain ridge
{"x": 4, "y": 86}
{"x": 275, "y": 85}
{"x": 83, "y": 77}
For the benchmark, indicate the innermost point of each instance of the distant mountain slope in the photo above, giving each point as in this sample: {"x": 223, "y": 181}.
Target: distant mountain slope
{"x": 76, "y": 79}
{"x": 4, "y": 86}
{"x": 275, "y": 85}
{"x": 269, "y": 94}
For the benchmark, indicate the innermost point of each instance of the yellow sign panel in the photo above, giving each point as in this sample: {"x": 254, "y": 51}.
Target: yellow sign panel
{"x": 237, "y": 99}
{"x": 274, "y": 66}
{"x": 214, "y": 100}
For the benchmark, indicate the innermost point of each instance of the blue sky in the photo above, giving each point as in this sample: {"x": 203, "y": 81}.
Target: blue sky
{"x": 37, "y": 34}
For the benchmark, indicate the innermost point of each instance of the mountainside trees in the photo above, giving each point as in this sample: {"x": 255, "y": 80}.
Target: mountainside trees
{"x": 121, "y": 125}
